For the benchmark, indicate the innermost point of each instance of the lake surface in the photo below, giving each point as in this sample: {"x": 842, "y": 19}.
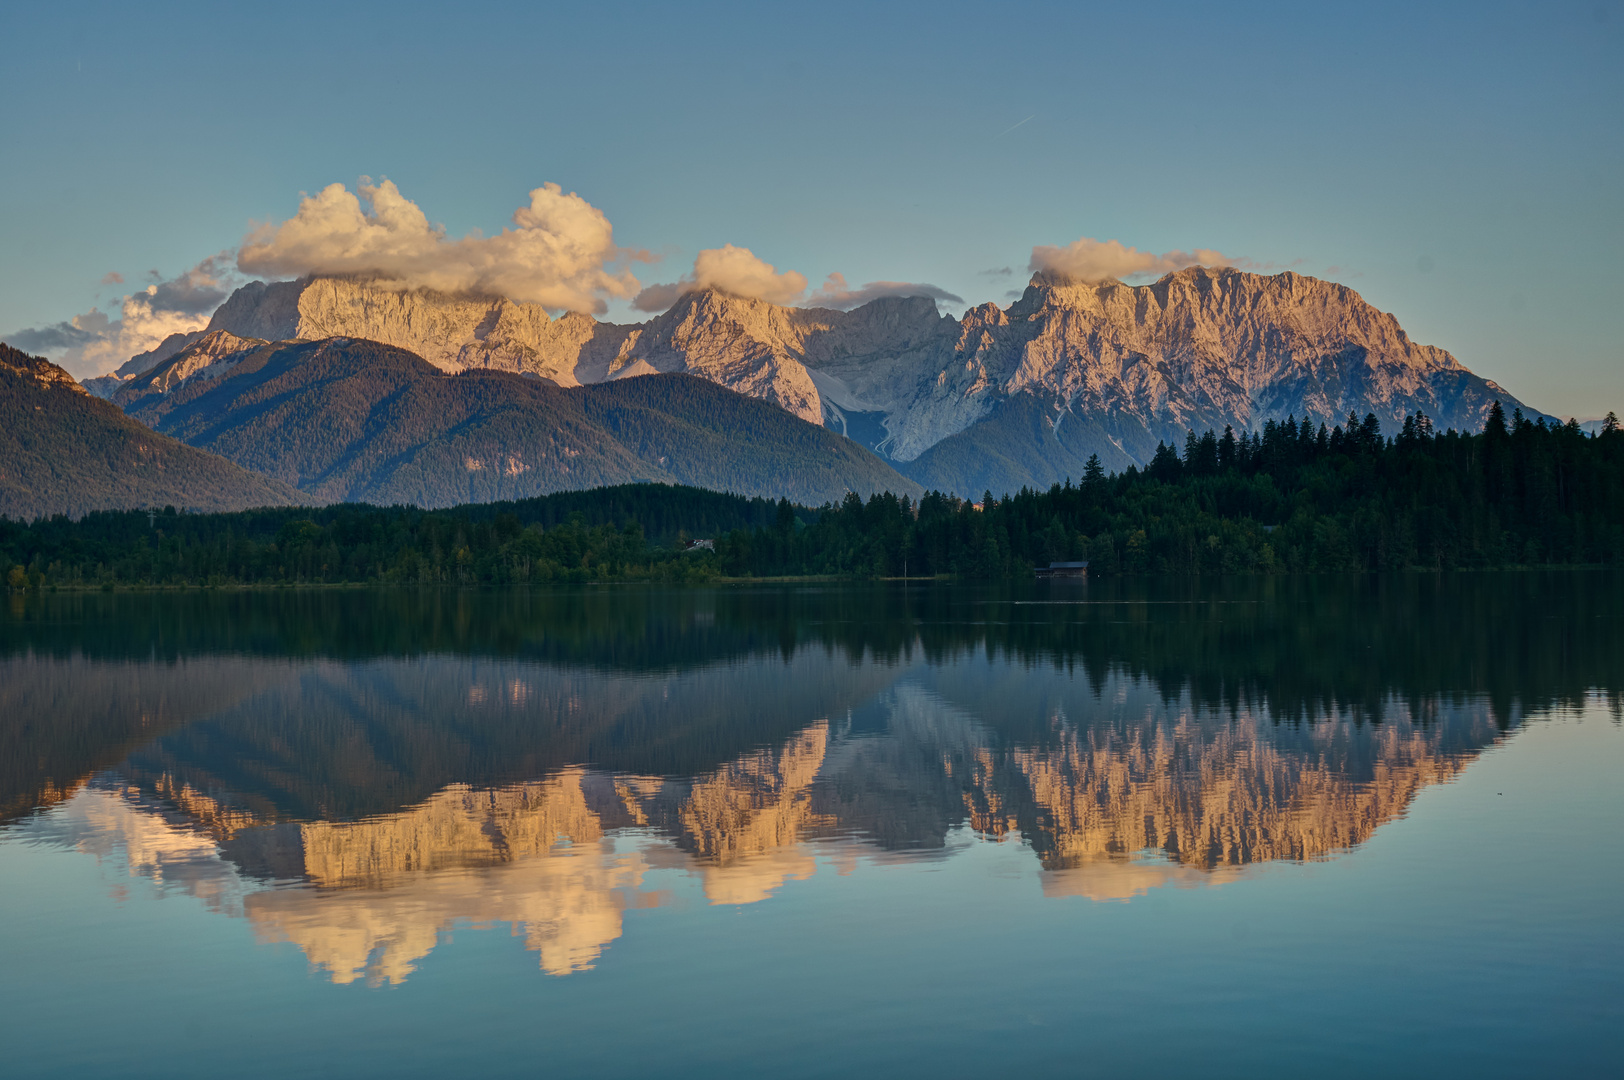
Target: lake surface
{"x": 1328, "y": 827}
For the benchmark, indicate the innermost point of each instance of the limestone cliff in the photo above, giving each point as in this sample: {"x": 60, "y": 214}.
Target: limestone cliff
{"x": 105, "y": 386}
{"x": 452, "y": 332}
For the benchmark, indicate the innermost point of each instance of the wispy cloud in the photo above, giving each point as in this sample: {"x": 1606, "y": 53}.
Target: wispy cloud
{"x": 1012, "y": 127}
{"x": 1269, "y": 266}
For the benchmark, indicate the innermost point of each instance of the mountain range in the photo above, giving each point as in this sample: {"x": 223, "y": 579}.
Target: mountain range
{"x": 997, "y": 399}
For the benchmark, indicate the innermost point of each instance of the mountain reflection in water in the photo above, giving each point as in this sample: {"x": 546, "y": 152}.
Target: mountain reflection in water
{"x": 537, "y": 760}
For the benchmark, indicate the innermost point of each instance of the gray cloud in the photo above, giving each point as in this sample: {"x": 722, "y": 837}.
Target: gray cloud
{"x": 199, "y": 290}
{"x": 1254, "y": 267}
{"x": 61, "y": 336}
{"x": 997, "y": 271}
{"x": 834, "y": 293}
{"x": 658, "y": 298}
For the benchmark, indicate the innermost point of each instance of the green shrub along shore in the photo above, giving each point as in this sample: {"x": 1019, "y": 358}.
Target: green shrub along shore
{"x": 1293, "y": 498}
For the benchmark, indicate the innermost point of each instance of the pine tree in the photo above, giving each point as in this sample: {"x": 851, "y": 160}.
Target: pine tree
{"x": 1093, "y": 472}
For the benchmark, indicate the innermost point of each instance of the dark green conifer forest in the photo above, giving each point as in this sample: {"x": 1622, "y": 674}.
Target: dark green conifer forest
{"x": 1291, "y": 498}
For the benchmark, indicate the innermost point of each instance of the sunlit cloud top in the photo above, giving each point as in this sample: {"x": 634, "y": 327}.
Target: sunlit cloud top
{"x": 560, "y": 251}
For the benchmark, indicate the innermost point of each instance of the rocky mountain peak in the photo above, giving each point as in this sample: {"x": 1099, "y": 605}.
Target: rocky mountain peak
{"x": 893, "y": 322}
{"x": 210, "y": 356}
{"x": 215, "y": 344}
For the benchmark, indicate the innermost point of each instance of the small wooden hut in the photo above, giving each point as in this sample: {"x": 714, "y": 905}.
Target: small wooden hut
{"x": 1064, "y": 569}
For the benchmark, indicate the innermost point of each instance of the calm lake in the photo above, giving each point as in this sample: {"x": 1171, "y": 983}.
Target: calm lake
{"x": 1290, "y": 827}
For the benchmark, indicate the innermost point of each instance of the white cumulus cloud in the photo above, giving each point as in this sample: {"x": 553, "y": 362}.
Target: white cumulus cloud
{"x": 1086, "y": 259}
{"x": 559, "y": 252}
{"x": 728, "y": 269}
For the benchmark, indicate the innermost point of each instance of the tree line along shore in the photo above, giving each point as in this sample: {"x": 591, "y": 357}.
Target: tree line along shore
{"x": 1292, "y": 498}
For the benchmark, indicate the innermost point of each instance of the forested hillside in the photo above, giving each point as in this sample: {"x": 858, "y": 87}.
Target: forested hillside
{"x": 1295, "y": 498}
{"x": 634, "y": 530}
{"x": 64, "y": 452}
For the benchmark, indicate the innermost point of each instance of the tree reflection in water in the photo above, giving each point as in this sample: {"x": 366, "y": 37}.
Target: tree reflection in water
{"x": 359, "y": 773}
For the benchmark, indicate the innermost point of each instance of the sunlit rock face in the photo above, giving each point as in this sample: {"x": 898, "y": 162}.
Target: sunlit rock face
{"x": 1202, "y": 345}
{"x": 451, "y": 332}
{"x": 1198, "y": 349}
{"x": 749, "y": 346}
{"x": 212, "y": 355}
{"x": 1087, "y": 367}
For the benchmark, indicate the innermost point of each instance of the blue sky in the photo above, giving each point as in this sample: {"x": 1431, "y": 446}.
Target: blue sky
{"x": 1458, "y": 165}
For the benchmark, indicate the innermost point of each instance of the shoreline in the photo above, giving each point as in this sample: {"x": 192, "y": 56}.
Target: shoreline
{"x": 806, "y": 579}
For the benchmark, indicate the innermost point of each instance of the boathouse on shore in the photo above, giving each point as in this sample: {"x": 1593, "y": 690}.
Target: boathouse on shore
{"x": 1064, "y": 569}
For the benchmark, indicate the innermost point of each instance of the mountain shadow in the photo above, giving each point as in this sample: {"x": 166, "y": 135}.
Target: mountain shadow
{"x": 358, "y": 421}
